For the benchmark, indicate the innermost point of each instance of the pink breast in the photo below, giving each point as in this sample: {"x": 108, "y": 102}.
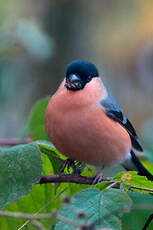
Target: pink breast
{"x": 86, "y": 134}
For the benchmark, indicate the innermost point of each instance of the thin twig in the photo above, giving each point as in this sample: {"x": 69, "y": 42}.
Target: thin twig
{"x": 114, "y": 184}
{"x": 143, "y": 207}
{"x": 27, "y": 216}
{"x": 42, "y": 208}
{"x": 14, "y": 141}
{"x": 143, "y": 189}
{"x": 68, "y": 221}
{"x": 37, "y": 225}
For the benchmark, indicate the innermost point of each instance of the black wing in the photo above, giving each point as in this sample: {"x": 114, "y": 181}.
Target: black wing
{"x": 114, "y": 112}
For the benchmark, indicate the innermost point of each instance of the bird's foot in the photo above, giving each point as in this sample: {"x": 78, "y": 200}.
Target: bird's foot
{"x": 98, "y": 178}
{"x": 75, "y": 165}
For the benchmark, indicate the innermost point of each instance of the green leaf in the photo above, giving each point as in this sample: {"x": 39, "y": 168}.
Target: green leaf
{"x": 47, "y": 166}
{"x": 20, "y": 168}
{"x": 35, "y": 127}
{"x": 148, "y": 165}
{"x": 39, "y": 196}
{"x": 141, "y": 209}
{"x": 132, "y": 178}
{"x": 52, "y": 153}
{"x": 102, "y": 209}
{"x": 103, "y": 185}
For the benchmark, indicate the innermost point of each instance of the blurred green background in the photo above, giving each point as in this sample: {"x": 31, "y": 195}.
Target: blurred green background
{"x": 39, "y": 38}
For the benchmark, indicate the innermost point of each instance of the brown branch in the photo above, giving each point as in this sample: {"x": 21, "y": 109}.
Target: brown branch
{"x": 71, "y": 178}
{"x": 14, "y": 141}
{"x": 74, "y": 178}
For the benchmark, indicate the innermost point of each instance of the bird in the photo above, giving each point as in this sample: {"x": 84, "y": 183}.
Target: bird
{"x": 85, "y": 122}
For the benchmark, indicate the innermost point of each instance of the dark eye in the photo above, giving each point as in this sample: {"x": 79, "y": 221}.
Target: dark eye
{"x": 89, "y": 78}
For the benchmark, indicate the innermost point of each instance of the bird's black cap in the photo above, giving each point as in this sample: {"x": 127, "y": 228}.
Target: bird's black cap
{"x": 82, "y": 68}
{"x": 78, "y": 74}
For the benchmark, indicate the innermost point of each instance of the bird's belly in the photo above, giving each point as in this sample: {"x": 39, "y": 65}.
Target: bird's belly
{"x": 88, "y": 136}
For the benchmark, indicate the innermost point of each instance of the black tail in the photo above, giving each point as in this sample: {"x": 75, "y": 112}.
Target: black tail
{"x": 142, "y": 171}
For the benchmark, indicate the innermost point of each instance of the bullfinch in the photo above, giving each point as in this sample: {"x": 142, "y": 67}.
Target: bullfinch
{"x": 85, "y": 123}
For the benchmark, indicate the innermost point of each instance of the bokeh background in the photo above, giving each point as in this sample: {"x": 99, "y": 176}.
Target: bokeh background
{"x": 39, "y": 38}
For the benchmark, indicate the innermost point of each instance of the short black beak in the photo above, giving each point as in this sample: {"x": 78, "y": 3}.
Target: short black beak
{"x": 73, "y": 82}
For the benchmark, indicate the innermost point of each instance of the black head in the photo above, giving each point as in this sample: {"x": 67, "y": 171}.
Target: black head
{"x": 79, "y": 73}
